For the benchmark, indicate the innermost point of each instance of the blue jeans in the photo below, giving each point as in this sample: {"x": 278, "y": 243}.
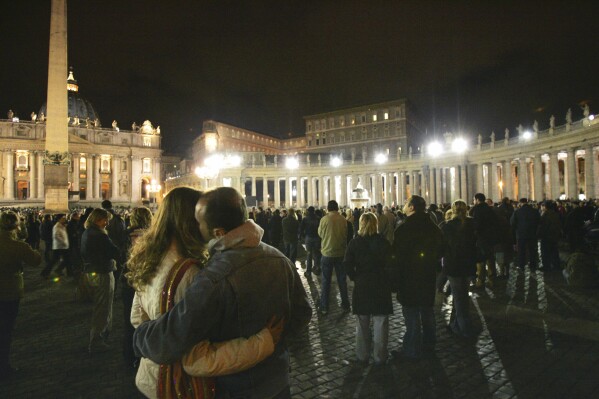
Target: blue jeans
{"x": 459, "y": 321}
{"x": 328, "y": 264}
{"x": 291, "y": 251}
{"x": 420, "y": 329}
{"x": 313, "y": 253}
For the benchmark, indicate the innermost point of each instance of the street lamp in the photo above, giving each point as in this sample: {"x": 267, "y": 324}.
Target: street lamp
{"x": 336, "y": 162}
{"x": 291, "y": 163}
{"x": 435, "y": 149}
{"x": 459, "y": 145}
{"x": 153, "y": 188}
{"x": 527, "y": 135}
{"x": 380, "y": 158}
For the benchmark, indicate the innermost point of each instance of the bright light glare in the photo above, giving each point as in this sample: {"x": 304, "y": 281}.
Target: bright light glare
{"x": 336, "y": 162}
{"x": 214, "y": 161}
{"x": 291, "y": 163}
{"x": 591, "y": 117}
{"x": 459, "y": 145}
{"x": 380, "y": 158}
{"x": 527, "y": 135}
{"x": 435, "y": 149}
{"x": 205, "y": 172}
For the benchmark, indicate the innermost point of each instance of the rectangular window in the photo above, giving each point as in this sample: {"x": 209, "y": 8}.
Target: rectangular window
{"x": 146, "y": 165}
{"x": 374, "y": 117}
{"x": 363, "y": 118}
{"x": 386, "y": 115}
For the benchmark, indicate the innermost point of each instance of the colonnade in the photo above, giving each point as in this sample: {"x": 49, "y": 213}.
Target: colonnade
{"x": 541, "y": 175}
{"x": 124, "y": 175}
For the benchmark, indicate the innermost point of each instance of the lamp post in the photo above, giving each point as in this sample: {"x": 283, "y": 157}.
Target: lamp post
{"x": 153, "y": 188}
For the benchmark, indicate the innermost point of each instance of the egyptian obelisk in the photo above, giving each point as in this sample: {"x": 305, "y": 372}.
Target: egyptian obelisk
{"x": 56, "y": 160}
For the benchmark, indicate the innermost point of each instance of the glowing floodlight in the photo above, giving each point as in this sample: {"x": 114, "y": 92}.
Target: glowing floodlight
{"x": 380, "y": 158}
{"x": 291, "y": 163}
{"x": 336, "y": 162}
{"x": 459, "y": 145}
{"x": 435, "y": 149}
{"x": 527, "y": 135}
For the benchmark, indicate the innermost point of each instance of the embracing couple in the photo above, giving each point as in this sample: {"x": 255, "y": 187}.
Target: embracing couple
{"x": 213, "y": 301}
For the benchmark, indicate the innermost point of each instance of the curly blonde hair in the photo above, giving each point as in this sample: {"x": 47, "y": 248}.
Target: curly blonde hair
{"x": 174, "y": 223}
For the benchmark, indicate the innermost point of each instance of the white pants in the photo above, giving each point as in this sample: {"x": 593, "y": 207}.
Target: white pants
{"x": 364, "y": 337}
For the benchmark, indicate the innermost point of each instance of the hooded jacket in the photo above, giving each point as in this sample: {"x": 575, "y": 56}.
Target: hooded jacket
{"x": 245, "y": 283}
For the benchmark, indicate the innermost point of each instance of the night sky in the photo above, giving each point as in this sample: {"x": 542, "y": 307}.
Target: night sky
{"x": 469, "y": 67}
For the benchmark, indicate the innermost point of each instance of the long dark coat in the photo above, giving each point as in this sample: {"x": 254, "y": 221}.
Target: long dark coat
{"x": 459, "y": 258}
{"x": 367, "y": 260}
{"x": 417, "y": 248}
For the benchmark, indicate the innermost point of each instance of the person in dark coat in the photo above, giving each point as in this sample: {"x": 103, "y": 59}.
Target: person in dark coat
{"x": 275, "y": 226}
{"x": 290, "y": 227}
{"x": 367, "y": 259}
{"x": 309, "y": 232}
{"x": 46, "y": 237}
{"x": 99, "y": 262}
{"x": 417, "y": 248}
{"x": 574, "y": 226}
{"x": 525, "y": 223}
{"x": 550, "y": 232}
{"x": 459, "y": 264}
{"x": 485, "y": 225}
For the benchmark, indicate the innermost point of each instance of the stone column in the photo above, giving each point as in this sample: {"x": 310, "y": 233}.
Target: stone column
{"x": 572, "y": 174}
{"x": 114, "y": 178}
{"x": 277, "y": 193}
{"x": 32, "y": 175}
{"x": 343, "y": 188}
{"x": 265, "y": 192}
{"x": 321, "y": 192}
{"x": 9, "y": 167}
{"x": 438, "y": 195}
{"x": 40, "y": 175}
{"x": 89, "y": 168}
{"x": 97, "y": 178}
{"x": 333, "y": 188}
{"x": 288, "y": 192}
{"x": 523, "y": 190}
{"x": 508, "y": 183}
{"x": 480, "y": 178}
{"x": 56, "y": 174}
{"x": 392, "y": 189}
{"x": 589, "y": 172}
{"x": 493, "y": 186}
{"x": 539, "y": 178}
{"x": 75, "y": 181}
{"x": 402, "y": 188}
{"x": 554, "y": 176}
{"x": 253, "y": 186}
{"x": 301, "y": 192}
{"x": 464, "y": 182}
{"x": 136, "y": 179}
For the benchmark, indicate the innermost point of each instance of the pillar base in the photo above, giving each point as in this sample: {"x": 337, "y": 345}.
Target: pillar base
{"x": 57, "y": 188}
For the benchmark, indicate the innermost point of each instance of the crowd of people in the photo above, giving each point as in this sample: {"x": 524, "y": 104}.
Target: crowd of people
{"x": 211, "y": 291}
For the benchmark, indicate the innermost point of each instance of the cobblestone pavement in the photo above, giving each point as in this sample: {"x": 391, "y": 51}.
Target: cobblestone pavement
{"x": 538, "y": 339}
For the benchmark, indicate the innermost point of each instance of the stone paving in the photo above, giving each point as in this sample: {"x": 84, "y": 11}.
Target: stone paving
{"x": 538, "y": 339}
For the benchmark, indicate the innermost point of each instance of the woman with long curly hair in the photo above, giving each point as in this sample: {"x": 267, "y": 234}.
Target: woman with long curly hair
{"x": 167, "y": 258}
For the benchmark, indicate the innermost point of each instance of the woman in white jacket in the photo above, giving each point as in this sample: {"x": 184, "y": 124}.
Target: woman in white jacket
{"x": 174, "y": 236}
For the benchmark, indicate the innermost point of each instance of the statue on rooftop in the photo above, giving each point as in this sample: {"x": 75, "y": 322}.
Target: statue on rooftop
{"x": 586, "y": 111}
{"x": 10, "y": 114}
{"x": 552, "y": 122}
{"x": 42, "y": 117}
{"x": 492, "y": 136}
{"x": 569, "y": 116}
{"x": 535, "y": 126}
{"x": 75, "y": 120}
{"x": 114, "y": 124}
{"x": 507, "y": 135}
{"x": 134, "y": 126}
{"x": 158, "y": 130}
{"x": 33, "y": 116}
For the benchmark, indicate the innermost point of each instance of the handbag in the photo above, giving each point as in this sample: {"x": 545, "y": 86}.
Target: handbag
{"x": 173, "y": 381}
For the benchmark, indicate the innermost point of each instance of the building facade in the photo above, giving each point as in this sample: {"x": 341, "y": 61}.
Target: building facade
{"x": 329, "y": 162}
{"x": 105, "y": 163}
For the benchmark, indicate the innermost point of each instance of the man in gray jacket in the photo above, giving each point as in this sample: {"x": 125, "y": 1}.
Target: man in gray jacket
{"x": 245, "y": 283}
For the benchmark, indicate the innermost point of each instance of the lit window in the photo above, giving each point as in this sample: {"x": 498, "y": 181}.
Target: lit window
{"x": 353, "y": 121}
{"x": 105, "y": 164}
{"x": 386, "y": 115}
{"x": 146, "y": 165}
{"x": 374, "y": 117}
{"x": 83, "y": 163}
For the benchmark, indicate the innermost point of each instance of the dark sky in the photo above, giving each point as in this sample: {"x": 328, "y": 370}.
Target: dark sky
{"x": 469, "y": 67}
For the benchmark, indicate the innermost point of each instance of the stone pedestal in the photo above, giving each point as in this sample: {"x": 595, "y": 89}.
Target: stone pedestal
{"x": 56, "y": 195}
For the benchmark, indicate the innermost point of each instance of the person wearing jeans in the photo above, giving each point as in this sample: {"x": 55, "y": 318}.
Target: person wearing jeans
{"x": 333, "y": 233}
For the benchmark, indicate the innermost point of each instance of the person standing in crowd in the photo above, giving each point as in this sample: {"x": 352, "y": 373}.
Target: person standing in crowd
{"x": 275, "y": 226}
{"x": 550, "y": 232}
{"x": 46, "y": 237}
{"x": 99, "y": 261}
{"x": 33, "y": 231}
{"x": 173, "y": 245}
{"x": 117, "y": 232}
{"x": 141, "y": 217}
{"x": 60, "y": 247}
{"x": 485, "y": 224}
{"x": 367, "y": 260}
{"x": 244, "y": 284}
{"x": 384, "y": 226}
{"x": 459, "y": 263}
{"x": 333, "y": 234}
{"x": 13, "y": 253}
{"x": 574, "y": 226}
{"x": 525, "y": 224}
{"x": 74, "y": 243}
{"x": 309, "y": 231}
{"x": 417, "y": 248}
{"x": 290, "y": 226}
